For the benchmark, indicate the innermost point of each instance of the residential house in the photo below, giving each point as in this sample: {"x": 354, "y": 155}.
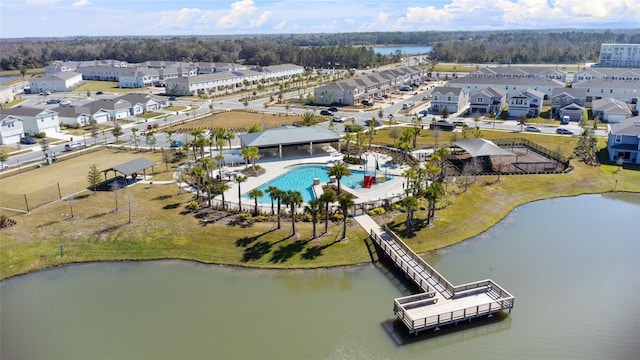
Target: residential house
{"x": 62, "y": 81}
{"x": 527, "y": 103}
{"x": 625, "y": 90}
{"x": 623, "y": 143}
{"x": 489, "y": 100}
{"x": 11, "y": 129}
{"x": 73, "y": 116}
{"x": 339, "y": 92}
{"x": 6, "y": 94}
{"x": 34, "y": 120}
{"x": 532, "y": 72}
{"x": 610, "y": 110}
{"x": 139, "y": 78}
{"x": 104, "y": 110}
{"x": 143, "y": 102}
{"x": 512, "y": 85}
{"x": 606, "y": 74}
{"x": 220, "y": 82}
{"x": 454, "y": 99}
{"x": 568, "y": 102}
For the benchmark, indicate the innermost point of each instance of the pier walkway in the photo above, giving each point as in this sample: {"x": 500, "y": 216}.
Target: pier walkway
{"x": 440, "y": 303}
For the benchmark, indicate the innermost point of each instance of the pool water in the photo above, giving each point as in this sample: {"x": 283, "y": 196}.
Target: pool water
{"x": 300, "y": 178}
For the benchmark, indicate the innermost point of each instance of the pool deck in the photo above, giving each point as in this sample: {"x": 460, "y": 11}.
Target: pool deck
{"x": 277, "y": 167}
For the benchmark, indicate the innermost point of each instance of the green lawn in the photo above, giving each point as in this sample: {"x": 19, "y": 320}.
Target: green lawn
{"x": 92, "y": 86}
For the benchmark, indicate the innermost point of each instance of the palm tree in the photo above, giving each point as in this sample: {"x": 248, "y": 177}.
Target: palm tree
{"x": 522, "y": 120}
{"x": 255, "y": 194}
{"x": 253, "y": 155}
{"x": 410, "y": 203}
{"x": 372, "y": 130}
{"x": 245, "y": 154}
{"x": 346, "y": 201}
{"x": 339, "y": 170}
{"x": 208, "y": 185}
{"x": 432, "y": 193}
{"x": 293, "y": 199}
{"x": 327, "y": 198}
{"x": 219, "y": 188}
{"x": 411, "y": 175}
{"x": 308, "y": 119}
{"x": 279, "y": 194}
{"x": 273, "y": 194}
{"x": 197, "y": 174}
{"x": 314, "y": 207}
{"x": 239, "y": 179}
{"x": 347, "y": 139}
{"x": 228, "y": 136}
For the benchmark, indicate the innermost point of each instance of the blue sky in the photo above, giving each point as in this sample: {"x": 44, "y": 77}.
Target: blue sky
{"x": 38, "y": 18}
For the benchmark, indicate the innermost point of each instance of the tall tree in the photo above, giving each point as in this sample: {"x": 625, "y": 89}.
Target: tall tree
{"x": 314, "y": 207}
{"x": 255, "y": 194}
{"x": 346, "y": 201}
{"x": 327, "y": 198}
{"x": 293, "y": 199}
{"x": 339, "y": 170}
{"x": 94, "y": 177}
{"x": 240, "y": 179}
{"x": 272, "y": 191}
{"x": 409, "y": 203}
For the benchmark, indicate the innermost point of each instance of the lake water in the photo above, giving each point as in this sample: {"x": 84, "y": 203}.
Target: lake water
{"x": 405, "y": 50}
{"x": 4, "y": 79}
{"x": 571, "y": 263}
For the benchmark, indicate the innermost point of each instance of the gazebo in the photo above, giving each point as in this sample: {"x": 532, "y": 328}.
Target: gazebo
{"x": 482, "y": 147}
{"x": 278, "y": 138}
{"x": 131, "y": 168}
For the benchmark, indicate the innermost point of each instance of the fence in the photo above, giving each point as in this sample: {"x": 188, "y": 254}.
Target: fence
{"x": 30, "y": 201}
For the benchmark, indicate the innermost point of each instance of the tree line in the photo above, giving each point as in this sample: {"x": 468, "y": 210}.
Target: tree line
{"x": 342, "y": 50}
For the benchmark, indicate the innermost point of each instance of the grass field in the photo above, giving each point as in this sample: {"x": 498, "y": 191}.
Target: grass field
{"x": 238, "y": 120}
{"x": 162, "y": 227}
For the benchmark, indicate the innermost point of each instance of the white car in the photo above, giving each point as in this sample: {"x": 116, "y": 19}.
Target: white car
{"x": 531, "y": 128}
{"x": 3, "y": 167}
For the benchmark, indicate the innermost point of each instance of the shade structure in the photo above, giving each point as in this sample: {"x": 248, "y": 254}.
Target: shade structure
{"x": 482, "y": 147}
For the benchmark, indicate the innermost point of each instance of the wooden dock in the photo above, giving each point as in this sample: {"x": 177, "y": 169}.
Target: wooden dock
{"x": 440, "y": 303}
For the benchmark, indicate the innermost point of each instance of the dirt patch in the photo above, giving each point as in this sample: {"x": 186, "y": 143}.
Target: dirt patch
{"x": 238, "y": 120}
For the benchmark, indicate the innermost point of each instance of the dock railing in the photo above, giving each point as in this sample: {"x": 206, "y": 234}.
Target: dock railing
{"x": 447, "y": 290}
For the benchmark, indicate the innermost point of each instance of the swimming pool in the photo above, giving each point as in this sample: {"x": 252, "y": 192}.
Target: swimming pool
{"x": 300, "y": 178}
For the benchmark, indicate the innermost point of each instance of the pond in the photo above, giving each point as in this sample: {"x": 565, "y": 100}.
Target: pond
{"x": 571, "y": 263}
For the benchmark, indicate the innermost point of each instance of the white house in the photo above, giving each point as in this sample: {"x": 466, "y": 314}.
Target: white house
{"x": 521, "y": 72}
{"x": 34, "y": 120}
{"x": 455, "y": 99}
{"x": 62, "y": 81}
{"x": 610, "y": 110}
{"x": 623, "y": 143}
{"x": 6, "y": 94}
{"x": 73, "y": 115}
{"x": 11, "y": 129}
{"x": 625, "y": 90}
{"x": 114, "y": 108}
{"x": 143, "y": 102}
{"x": 527, "y": 103}
{"x": 512, "y": 85}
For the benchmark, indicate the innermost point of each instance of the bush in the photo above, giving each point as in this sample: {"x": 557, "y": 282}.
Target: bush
{"x": 245, "y": 216}
{"x": 377, "y": 211}
{"x": 193, "y": 206}
{"x": 337, "y": 217}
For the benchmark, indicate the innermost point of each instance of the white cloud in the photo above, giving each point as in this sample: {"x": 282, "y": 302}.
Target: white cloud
{"x": 184, "y": 18}
{"x": 239, "y": 9}
{"x": 81, "y": 3}
{"x": 281, "y": 25}
{"x": 260, "y": 20}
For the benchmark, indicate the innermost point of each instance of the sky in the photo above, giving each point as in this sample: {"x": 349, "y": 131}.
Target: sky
{"x": 61, "y": 18}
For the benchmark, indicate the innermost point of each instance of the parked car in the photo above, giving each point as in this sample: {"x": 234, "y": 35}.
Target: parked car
{"x": 326, "y": 113}
{"x": 367, "y": 102}
{"x": 531, "y": 128}
{"x": 443, "y": 125}
{"x": 564, "y": 131}
{"x": 425, "y": 98}
{"x": 73, "y": 146}
{"x": 333, "y": 109}
{"x": 377, "y": 122}
{"x": 65, "y": 103}
{"x": 28, "y": 140}
{"x": 99, "y": 93}
{"x": 172, "y": 98}
{"x": 460, "y": 123}
{"x": 337, "y": 119}
{"x": 423, "y": 113}
{"x": 3, "y": 167}
{"x": 379, "y": 98}
{"x": 405, "y": 88}
{"x": 54, "y": 101}
{"x": 176, "y": 143}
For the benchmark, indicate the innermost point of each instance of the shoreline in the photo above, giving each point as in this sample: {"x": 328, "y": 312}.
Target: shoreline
{"x": 271, "y": 268}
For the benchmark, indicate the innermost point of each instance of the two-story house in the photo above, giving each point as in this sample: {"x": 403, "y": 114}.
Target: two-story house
{"x": 527, "y": 103}
{"x": 10, "y": 129}
{"x": 73, "y": 115}
{"x": 35, "y": 120}
{"x": 489, "y": 100}
{"x": 62, "y": 81}
{"x": 454, "y": 99}
{"x": 610, "y": 110}
{"x": 568, "y": 102}
{"x": 623, "y": 143}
